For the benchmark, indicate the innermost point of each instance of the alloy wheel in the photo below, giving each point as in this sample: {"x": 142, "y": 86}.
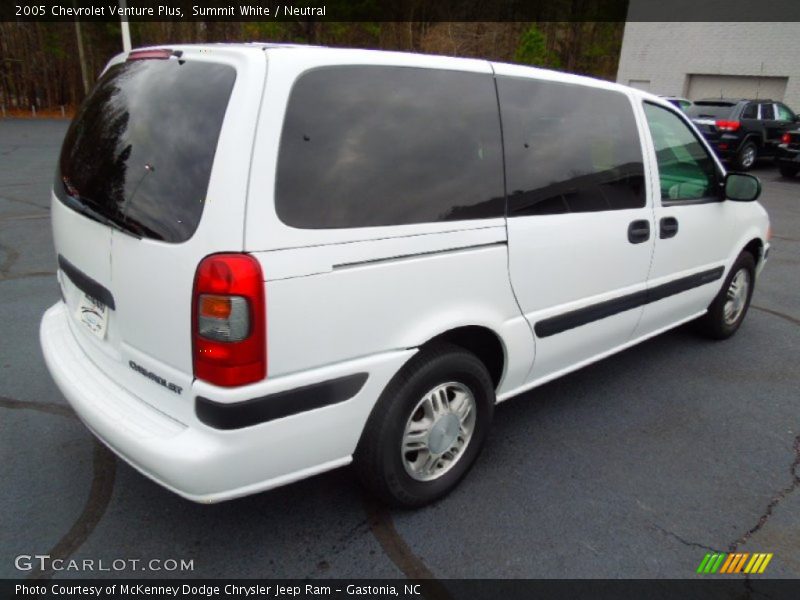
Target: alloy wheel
{"x": 438, "y": 431}
{"x": 736, "y": 297}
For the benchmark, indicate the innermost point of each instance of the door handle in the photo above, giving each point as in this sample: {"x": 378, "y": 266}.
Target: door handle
{"x": 639, "y": 231}
{"x": 668, "y": 227}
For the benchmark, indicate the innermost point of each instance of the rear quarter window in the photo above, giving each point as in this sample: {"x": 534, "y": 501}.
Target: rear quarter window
{"x": 750, "y": 111}
{"x": 366, "y": 146}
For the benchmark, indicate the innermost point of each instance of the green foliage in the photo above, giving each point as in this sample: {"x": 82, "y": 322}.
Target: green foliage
{"x": 532, "y": 49}
{"x": 53, "y": 44}
{"x": 52, "y": 71}
{"x": 269, "y": 31}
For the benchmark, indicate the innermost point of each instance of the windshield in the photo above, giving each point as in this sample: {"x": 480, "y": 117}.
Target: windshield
{"x": 138, "y": 155}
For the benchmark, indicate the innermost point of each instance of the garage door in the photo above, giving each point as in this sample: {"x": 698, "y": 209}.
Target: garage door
{"x": 735, "y": 86}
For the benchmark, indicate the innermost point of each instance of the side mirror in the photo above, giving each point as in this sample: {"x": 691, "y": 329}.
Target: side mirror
{"x": 742, "y": 187}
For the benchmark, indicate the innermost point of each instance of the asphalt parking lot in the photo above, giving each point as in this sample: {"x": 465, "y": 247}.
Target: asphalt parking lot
{"x": 633, "y": 467}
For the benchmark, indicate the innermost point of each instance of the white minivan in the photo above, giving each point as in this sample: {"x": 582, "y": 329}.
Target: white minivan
{"x": 275, "y": 260}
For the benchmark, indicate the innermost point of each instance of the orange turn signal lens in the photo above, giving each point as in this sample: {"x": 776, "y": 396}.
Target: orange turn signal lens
{"x": 216, "y": 307}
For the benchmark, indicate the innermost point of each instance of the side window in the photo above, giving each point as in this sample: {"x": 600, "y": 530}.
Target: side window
{"x": 767, "y": 112}
{"x": 685, "y": 169}
{"x": 569, "y": 148}
{"x": 784, "y": 114}
{"x": 366, "y": 146}
{"x": 750, "y": 111}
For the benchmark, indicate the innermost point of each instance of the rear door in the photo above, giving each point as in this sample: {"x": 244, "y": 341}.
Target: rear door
{"x": 749, "y": 119}
{"x": 579, "y": 228}
{"x": 150, "y": 180}
{"x": 773, "y": 128}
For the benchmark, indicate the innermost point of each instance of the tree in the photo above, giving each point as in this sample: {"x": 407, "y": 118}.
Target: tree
{"x": 40, "y": 63}
{"x": 532, "y": 49}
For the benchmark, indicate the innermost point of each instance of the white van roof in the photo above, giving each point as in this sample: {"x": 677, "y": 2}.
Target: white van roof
{"x": 414, "y": 59}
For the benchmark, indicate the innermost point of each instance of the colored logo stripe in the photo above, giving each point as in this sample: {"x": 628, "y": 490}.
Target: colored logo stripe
{"x": 736, "y": 567}
{"x": 728, "y": 562}
{"x": 711, "y": 563}
{"x": 734, "y": 563}
{"x": 761, "y": 563}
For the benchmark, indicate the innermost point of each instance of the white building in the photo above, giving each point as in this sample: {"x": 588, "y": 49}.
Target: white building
{"x": 709, "y": 60}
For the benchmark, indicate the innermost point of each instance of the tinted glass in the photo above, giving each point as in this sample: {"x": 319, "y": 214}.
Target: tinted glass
{"x": 368, "y": 146}
{"x": 710, "y": 110}
{"x": 686, "y": 170}
{"x": 140, "y": 150}
{"x": 750, "y": 111}
{"x": 784, "y": 114}
{"x": 768, "y": 112}
{"x": 569, "y": 148}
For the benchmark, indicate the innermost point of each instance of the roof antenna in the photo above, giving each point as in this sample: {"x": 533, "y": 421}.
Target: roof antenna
{"x": 758, "y": 81}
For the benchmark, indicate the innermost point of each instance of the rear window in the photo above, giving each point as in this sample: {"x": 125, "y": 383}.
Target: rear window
{"x": 366, "y": 146}
{"x": 710, "y": 110}
{"x": 768, "y": 112}
{"x": 140, "y": 150}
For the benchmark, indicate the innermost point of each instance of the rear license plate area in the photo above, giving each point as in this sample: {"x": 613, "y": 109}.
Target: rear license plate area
{"x": 92, "y": 314}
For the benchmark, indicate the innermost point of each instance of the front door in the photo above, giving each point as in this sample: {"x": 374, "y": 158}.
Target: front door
{"x": 695, "y": 227}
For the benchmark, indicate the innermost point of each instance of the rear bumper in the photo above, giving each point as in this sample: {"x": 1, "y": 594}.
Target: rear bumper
{"x": 788, "y": 155}
{"x": 203, "y": 463}
{"x": 726, "y": 146}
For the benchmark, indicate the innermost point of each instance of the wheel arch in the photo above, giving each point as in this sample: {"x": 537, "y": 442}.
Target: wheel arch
{"x": 483, "y": 342}
{"x": 757, "y": 138}
{"x": 755, "y": 247}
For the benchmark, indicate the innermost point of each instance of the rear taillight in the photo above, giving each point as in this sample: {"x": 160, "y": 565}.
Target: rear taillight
{"x": 229, "y": 320}
{"x": 728, "y": 125}
{"x": 786, "y": 138}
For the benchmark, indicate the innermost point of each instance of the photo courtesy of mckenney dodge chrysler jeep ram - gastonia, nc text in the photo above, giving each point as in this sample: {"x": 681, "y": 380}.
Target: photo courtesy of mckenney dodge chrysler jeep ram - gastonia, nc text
{"x": 277, "y": 260}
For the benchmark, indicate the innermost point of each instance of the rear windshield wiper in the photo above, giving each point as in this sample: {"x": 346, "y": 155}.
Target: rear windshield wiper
{"x": 82, "y": 205}
{"x": 139, "y": 228}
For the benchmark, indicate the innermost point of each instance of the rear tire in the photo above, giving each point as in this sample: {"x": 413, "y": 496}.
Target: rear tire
{"x": 788, "y": 170}
{"x": 747, "y": 156}
{"x": 427, "y": 428}
{"x": 727, "y": 311}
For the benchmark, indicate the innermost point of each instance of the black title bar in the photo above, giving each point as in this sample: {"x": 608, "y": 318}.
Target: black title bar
{"x": 402, "y": 10}
{"x": 717, "y": 588}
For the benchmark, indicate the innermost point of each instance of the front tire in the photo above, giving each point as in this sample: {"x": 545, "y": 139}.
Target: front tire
{"x": 427, "y": 428}
{"x": 727, "y": 311}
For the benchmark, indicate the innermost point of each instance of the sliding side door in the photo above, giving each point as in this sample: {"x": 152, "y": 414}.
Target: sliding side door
{"x": 580, "y": 232}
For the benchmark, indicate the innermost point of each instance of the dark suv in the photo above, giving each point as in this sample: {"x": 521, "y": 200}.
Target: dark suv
{"x": 742, "y": 130}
